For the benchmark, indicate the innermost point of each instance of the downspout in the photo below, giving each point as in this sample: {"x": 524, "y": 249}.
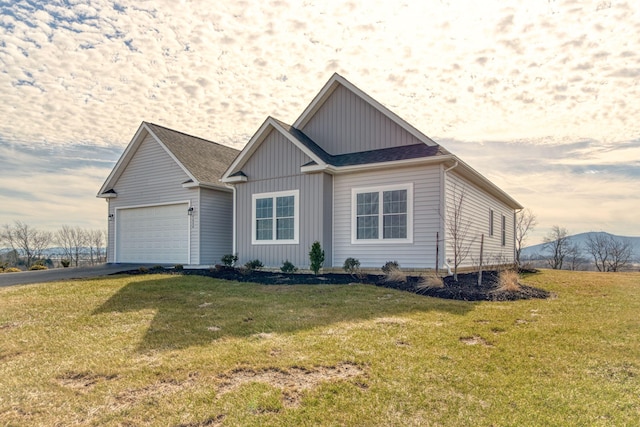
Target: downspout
{"x": 446, "y": 263}
{"x": 233, "y": 226}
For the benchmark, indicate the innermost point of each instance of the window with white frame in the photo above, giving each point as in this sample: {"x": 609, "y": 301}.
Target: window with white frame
{"x": 504, "y": 230}
{"x": 275, "y": 218}
{"x": 490, "y": 222}
{"x": 382, "y": 214}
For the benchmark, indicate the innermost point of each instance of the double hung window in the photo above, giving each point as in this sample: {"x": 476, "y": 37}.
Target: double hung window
{"x": 383, "y": 214}
{"x": 275, "y": 217}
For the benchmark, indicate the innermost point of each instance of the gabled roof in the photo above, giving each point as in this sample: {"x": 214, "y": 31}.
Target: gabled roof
{"x": 203, "y": 161}
{"x": 337, "y": 80}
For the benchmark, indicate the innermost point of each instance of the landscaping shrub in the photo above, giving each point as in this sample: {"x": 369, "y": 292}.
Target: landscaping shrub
{"x": 390, "y": 265}
{"x": 178, "y": 267}
{"x": 288, "y": 267}
{"x": 254, "y": 264}
{"x": 12, "y": 270}
{"x": 430, "y": 280}
{"x": 316, "y": 256}
{"x": 65, "y": 262}
{"x": 38, "y": 267}
{"x": 229, "y": 260}
{"x": 395, "y": 275}
{"x": 508, "y": 281}
{"x": 143, "y": 269}
{"x": 351, "y": 266}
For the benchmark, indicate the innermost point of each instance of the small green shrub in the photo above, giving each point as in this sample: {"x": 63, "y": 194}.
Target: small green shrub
{"x": 157, "y": 267}
{"x": 288, "y": 267}
{"x": 351, "y": 266}
{"x": 316, "y": 256}
{"x": 65, "y": 263}
{"x": 254, "y": 264}
{"x": 390, "y": 265}
{"x": 38, "y": 267}
{"x": 143, "y": 269}
{"x": 178, "y": 267}
{"x": 229, "y": 260}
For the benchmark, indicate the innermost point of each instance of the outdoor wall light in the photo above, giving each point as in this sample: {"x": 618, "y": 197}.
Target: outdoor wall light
{"x": 111, "y": 217}
{"x": 190, "y": 211}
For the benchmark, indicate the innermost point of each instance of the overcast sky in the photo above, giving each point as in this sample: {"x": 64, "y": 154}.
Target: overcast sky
{"x": 540, "y": 96}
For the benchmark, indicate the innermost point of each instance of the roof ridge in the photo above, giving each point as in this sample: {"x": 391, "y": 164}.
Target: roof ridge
{"x": 189, "y": 135}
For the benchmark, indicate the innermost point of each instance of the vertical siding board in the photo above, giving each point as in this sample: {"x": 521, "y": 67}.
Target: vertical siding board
{"x": 346, "y": 123}
{"x": 215, "y": 226}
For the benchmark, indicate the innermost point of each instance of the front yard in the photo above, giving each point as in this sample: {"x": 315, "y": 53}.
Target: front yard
{"x": 195, "y": 351}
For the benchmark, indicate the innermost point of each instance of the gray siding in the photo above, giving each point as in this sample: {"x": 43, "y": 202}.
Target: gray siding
{"x": 276, "y": 157}
{"x": 216, "y": 225}
{"x": 312, "y": 221}
{"x": 152, "y": 177}
{"x": 426, "y": 218}
{"x": 346, "y": 124}
{"x": 475, "y": 210}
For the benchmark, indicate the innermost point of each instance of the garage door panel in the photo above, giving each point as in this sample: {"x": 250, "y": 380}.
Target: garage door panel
{"x": 155, "y": 234}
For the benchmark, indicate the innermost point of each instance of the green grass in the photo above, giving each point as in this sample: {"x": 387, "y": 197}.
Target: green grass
{"x": 193, "y": 351}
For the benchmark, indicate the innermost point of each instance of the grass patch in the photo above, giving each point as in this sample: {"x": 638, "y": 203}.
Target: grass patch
{"x": 188, "y": 350}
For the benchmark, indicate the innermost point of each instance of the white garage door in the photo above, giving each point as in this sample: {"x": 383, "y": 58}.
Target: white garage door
{"x": 155, "y": 234}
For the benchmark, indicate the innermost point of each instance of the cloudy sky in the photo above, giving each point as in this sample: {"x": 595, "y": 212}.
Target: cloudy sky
{"x": 541, "y": 96}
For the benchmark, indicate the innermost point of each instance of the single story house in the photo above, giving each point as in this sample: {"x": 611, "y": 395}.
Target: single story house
{"x": 348, "y": 173}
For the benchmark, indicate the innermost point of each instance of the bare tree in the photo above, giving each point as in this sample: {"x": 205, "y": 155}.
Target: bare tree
{"x": 557, "y": 242}
{"x": 620, "y": 254}
{"x": 459, "y": 230}
{"x": 597, "y": 246}
{"x": 72, "y": 240}
{"x": 525, "y": 223}
{"x": 96, "y": 240}
{"x": 574, "y": 258}
{"x": 26, "y": 240}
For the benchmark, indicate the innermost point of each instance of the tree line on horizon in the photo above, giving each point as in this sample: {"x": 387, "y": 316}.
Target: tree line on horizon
{"x": 27, "y": 246}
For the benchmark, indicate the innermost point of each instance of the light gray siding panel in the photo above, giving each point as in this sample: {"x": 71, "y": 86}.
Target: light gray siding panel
{"x": 275, "y": 157}
{"x": 327, "y": 238}
{"x": 426, "y": 218}
{"x": 475, "y": 211}
{"x": 216, "y": 225}
{"x": 346, "y": 124}
{"x": 152, "y": 177}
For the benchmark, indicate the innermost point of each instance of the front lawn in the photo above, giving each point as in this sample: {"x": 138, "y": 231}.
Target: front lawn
{"x": 195, "y": 351}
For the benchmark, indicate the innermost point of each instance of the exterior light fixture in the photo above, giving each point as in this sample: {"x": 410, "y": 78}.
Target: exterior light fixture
{"x": 190, "y": 211}
{"x": 111, "y": 217}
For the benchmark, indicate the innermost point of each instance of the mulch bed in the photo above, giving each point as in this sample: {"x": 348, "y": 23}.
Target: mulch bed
{"x": 465, "y": 289}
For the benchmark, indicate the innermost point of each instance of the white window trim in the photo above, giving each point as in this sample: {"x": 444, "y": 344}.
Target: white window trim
{"x": 491, "y": 223}
{"x": 381, "y": 240}
{"x": 296, "y": 219}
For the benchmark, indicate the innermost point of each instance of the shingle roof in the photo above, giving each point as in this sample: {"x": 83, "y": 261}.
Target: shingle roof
{"x": 205, "y": 160}
{"x": 406, "y": 152}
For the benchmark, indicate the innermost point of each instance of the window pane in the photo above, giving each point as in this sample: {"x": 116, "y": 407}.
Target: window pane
{"x": 395, "y": 201}
{"x": 264, "y": 208}
{"x": 285, "y": 206}
{"x": 367, "y": 227}
{"x": 395, "y": 226}
{"x": 284, "y": 229}
{"x": 264, "y": 229}
{"x": 367, "y": 204}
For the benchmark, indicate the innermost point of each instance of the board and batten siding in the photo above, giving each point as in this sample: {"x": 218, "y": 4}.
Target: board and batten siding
{"x": 275, "y": 167}
{"x": 476, "y": 207}
{"x": 347, "y": 124}
{"x": 152, "y": 177}
{"x": 421, "y": 253}
{"x": 216, "y": 225}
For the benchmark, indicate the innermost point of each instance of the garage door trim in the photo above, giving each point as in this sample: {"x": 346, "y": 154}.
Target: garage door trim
{"x": 188, "y": 219}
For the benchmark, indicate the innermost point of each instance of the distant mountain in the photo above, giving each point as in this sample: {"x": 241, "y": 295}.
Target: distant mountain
{"x": 581, "y": 240}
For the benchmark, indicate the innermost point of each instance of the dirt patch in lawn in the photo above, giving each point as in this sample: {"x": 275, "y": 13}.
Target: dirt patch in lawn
{"x": 293, "y": 381}
{"x": 466, "y": 288}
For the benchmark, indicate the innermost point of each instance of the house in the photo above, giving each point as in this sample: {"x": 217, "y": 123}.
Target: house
{"x": 354, "y": 176}
{"x": 166, "y": 202}
{"x": 348, "y": 173}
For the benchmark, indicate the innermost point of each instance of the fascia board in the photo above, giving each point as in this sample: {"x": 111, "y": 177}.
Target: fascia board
{"x": 124, "y": 159}
{"x": 335, "y": 170}
{"x": 475, "y": 177}
{"x": 255, "y": 142}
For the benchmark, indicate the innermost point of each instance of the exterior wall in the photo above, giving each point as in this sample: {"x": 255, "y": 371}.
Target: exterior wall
{"x": 427, "y": 204}
{"x": 216, "y": 225}
{"x": 476, "y": 205}
{"x": 347, "y": 124}
{"x": 152, "y": 177}
{"x": 274, "y": 167}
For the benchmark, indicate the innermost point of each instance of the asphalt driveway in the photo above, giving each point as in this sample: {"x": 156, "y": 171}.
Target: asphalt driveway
{"x": 55, "y": 274}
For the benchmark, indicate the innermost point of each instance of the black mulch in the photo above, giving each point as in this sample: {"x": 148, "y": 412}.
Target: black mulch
{"x": 465, "y": 289}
